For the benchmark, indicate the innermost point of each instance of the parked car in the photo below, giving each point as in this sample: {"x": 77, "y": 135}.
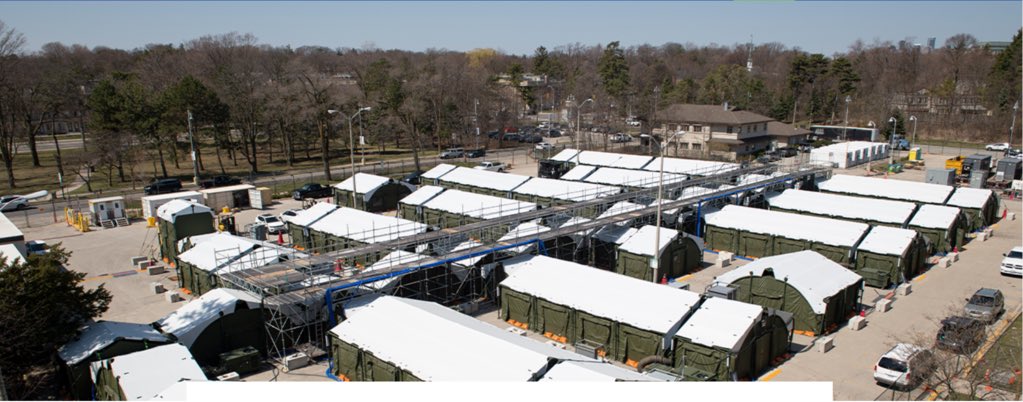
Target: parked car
{"x": 512, "y": 137}
{"x": 531, "y": 139}
{"x": 543, "y": 124}
{"x": 1012, "y": 264}
{"x": 476, "y": 153}
{"x": 452, "y": 153}
{"x": 985, "y": 305}
{"x": 162, "y": 186}
{"x": 493, "y": 134}
{"x": 288, "y": 215}
{"x": 621, "y": 138}
{"x": 999, "y": 146}
{"x": 544, "y": 146}
{"x": 904, "y": 366}
{"x": 1013, "y": 153}
{"x": 632, "y": 121}
{"x": 13, "y": 203}
{"x": 413, "y": 178}
{"x": 273, "y": 224}
{"x": 491, "y": 166}
{"x": 960, "y": 334}
{"x": 37, "y": 247}
{"x": 787, "y": 152}
{"x": 554, "y": 133}
{"x": 311, "y": 190}
{"x": 220, "y": 181}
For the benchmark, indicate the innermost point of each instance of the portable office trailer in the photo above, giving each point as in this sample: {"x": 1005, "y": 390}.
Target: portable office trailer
{"x": 236, "y": 196}
{"x": 106, "y": 209}
{"x": 432, "y": 176}
{"x": 691, "y": 167}
{"x": 728, "y": 340}
{"x": 679, "y": 254}
{"x": 980, "y": 206}
{"x": 411, "y": 206}
{"x": 627, "y": 318}
{"x": 100, "y": 340}
{"x": 819, "y": 293}
{"x": 180, "y": 219}
{"x": 482, "y": 181}
{"x": 373, "y": 193}
{"x": 454, "y": 208}
{"x": 347, "y": 227}
{"x": 260, "y": 197}
{"x": 890, "y": 255}
{"x": 847, "y": 154}
{"x": 153, "y": 202}
{"x": 219, "y": 321}
{"x": 298, "y": 226}
{"x": 871, "y": 211}
{"x": 761, "y": 233}
{"x": 209, "y": 256}
{"x": 944, "y": 227}
{"x": 150, "y": 374}
{"x": 898, "y": 190}
{"x": 374, "y": 344}
{"x": 551, "y": 192}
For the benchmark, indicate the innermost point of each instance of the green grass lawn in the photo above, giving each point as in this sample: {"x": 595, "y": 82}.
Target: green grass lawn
{"x": 1004, "y": 355}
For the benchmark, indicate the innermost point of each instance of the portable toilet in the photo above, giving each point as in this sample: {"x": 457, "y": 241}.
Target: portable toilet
{"x": 180, "y": 219}
{"x": 106, "y": 209}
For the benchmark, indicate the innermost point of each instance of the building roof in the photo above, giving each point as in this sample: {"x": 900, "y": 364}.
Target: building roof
{"x": 178, "y": 207}
{"x": 421, "y": 195}
{"x": 888, "y": 240}
{"x": 447, "y": 345}
{"x": 642, "y": 242}
{"x": 188, "y": 321}
{"x": 172, "y": 196}
{"x": 966, "y": 197}
{"x": 312, "y": 214}
{"x": 714, "y": 114}
{"x": 793, "y": 226}
{"x": 935, "y": 216}
{"x": 779, "y": 129}
{"x": 12, "y": 253}
{"x": 721, "y": 323}
{"x": 227, "y": 189}
{"x": 641, "y": 304}
{"x": 584, "y": 371}
{"x": 691, "y": 166}
{"x": 438, "y": 171}
{"x": 224, "y": 252}
{"x": 366, "y": 227}
{"x": 565, "y": 189}
{"x": 843, "y": 206}
{"x": 815, "y": 276}
{"x": 891, "y": 189}
{"x": 478, "y": 206}
{"x": 96, "y": 336}
{"x": 363, "y": 182}
{"x": 631, "y": 178}
{"x": 565, "y": 155}
{"x": 484, "y": 179}
{"x": 578, "y": 173}
{"x": 149, "y": 374}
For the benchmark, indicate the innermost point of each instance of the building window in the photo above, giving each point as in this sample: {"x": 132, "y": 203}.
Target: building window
{"x": 698, "y": 128}
{"x": 765, "y": 127}
{"x": 697, "y": 146}
{"x": 728, "y": 130}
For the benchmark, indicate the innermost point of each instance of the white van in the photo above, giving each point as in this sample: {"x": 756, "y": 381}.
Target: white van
{"x": 1013, "y": 262}
{"x": 904, "y": 366}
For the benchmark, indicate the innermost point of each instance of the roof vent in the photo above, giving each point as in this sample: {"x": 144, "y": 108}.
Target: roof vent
{"x": 725, "y": 106}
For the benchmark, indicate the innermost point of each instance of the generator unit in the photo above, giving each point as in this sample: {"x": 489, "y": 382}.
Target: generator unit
{"x": 945, "y": 177}
{"x": 240, "y": 360}
{"x": 723, "y": 292}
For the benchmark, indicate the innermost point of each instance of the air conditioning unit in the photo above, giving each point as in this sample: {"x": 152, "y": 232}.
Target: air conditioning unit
{"x": 590, "y": 349}
{"x": 723, "y": 292}
{"x": 295, "y": 361}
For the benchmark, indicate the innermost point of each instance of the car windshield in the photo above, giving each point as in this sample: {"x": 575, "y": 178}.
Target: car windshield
{"x": 1015, "y": 254}
{"x": 270, "y": 219}
{"x": 8, "y": 198}
{"x": 979, "y": 300}
{"x": 892, "y": 364}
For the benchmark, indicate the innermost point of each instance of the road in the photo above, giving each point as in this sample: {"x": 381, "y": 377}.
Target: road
{"x": 45, "y": 144}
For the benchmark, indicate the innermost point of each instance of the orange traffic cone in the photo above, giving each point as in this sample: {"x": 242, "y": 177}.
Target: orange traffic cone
{"x": 1005, "y": 213}
{"x": 280, "y": 238}
{"x": 664, "y": 280}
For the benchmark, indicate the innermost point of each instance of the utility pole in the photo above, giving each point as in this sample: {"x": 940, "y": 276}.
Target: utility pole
{"x": 653, "y": 119}
{"x": 1012, "y": 127}
{"x": 476, "y": 120}
{"x": 191, "y": 142}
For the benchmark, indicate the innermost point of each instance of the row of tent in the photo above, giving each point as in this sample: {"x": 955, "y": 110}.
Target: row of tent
{"x": 569, "y": 158}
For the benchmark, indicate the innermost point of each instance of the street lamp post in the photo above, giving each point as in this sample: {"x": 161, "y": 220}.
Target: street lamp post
{"x": 1012, "y": 127}
{"x": 578, "y": 123}
{"x": 191, "y": 142}
{"x": 891, "y": 141}
{"x": 351, "y": 143}
{"x": 660, "y": 198}
{"x": 845, "y": 128}
{"x": 913, "y": 119}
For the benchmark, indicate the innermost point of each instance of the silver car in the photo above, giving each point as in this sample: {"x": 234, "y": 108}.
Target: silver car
{"x": 985, "y": 305}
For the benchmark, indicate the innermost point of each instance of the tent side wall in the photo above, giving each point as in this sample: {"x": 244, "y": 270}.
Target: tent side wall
{"x": 243, "y": 327}
{"x": 680, "y": 257}
{"x": 881, "y": 270}
{"x": 516, "y": 307}
{"x": 351, "y": 363}
{"x": 755, "y": 244}
{"x": 183, "y": 226}
{"x": 722, "y": 239}
{"x": 597, "y": 331}
{"x": 343, "y": 198}
{"x": 634, "y": 265}
{"x": 409, "y": 212}
{"x": 299, "y": 239}
{"x": 553, "y": 320}
{"x": 769, "y": 292}
{"x": 78, "y": 375}
{"x": 714, "y": 362}
{"x": 634, "y": 344}
{"x": 837, "y": 254}
{"x": 107, "y": 386}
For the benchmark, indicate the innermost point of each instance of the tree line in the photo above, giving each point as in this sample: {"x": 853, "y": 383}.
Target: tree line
{"x": 252, "y": 104}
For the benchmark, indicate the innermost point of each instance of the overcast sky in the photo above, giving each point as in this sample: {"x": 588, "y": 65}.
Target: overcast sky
{"x": 514, "y": 27}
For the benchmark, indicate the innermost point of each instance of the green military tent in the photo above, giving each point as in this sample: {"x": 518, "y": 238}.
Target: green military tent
{"x": 482, "y": 181}
{"x": 348, "y": 227}
{"x": 872, "y": 211}
{"x": 219, "y": 321}
{"x": 372, "y": 193}
{"x": 760, "y": 233}
{"x": 298, "y": 226}
{"x": 679, "y": 254}
{"x": 625, "y": 178}
{"x": 944, "y": 227}
{"x": 898, "y": 190}
{"x": 151, "y": 374}
{"x": 604, "y": 243}
{"x": 819, "y": 293}
{"x": 213, "y": 254}
{"x": 626, "y": 318}
{"x": 728, "y": 340}
{"x": 179, "y": 219}
{"x": 691, "y": 167}
{"x": 980, "y": 206}
{"x": 552, "y": 192}
{"x": 411, "y": 206}
{"x": 101, "y": 340}
{"x": 453, "y": 208}
{"x": 890, "y": 256}
{"x": 432, "y": 176}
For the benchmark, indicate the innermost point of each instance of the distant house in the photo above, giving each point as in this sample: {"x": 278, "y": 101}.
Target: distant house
{"x": 723, "y": 131}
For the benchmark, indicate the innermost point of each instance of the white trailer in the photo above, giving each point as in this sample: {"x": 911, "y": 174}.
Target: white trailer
{"x": 153, "y": 202}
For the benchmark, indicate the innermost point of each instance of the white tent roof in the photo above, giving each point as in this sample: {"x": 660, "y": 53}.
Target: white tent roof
{"x": 224, "y": 252}
{"x": 96, "y": 336}
{"x": 635, "y": 302}
{"x": 468, "y": 244}
{"x": 479, "y": 206}
{"x": 363, "y": 183}
{"x": 174, "y": 208}
{"x": 793, "y": 226}
{"x": 8, "y": 229}
{"x": 566, "y": 154}
{"x": 888, "y": 240}
{"x": 691, "y": 166}
{"x": 312, "y": 214}
{"x": 582, "y": 371}
{"x": 421, "y": 195}
{"x": 614, "y": 234}
{"x": 721, "y": 323}
{"x": 528, "y": 230}
{"x": 227, "y": 189}
{"x": 438, "y": 171}
{"x": 610, "y": 159}
{"x": 642, "y": 242}
{"x": 435, "y": 343}
{"x": 565, "y": 189}
{"x": 892, "y": 189}
{"x": 366, "y": 227}
{"x": 484, "y": 179}
{"x": 632, "y": 178}
{"x": 873, "y": 209}
{"x": 966, "y": 197}
{"x": 578, "y": 173}
{"x": 187, "y": 322}
{"x": 12, "y": 253}
{"x": 393, "y": 259}
{"x": 813, "y": 275}
{"x": 935, "y": 216}
{"x": 690, "y": 192}
{"x": 148, "y": 374}
{"x": 620, "y": 207}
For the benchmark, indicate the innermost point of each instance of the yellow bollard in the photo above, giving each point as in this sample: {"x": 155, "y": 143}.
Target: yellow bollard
{"x": 151, "y": 222}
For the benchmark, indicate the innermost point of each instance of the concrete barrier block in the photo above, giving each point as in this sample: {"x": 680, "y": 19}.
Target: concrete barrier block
{"x": 137, "y": 259}
{"x": 232, "y": 376}
{"x": 857, "y": 323}
{"x": 989, "y": 232}
{"x": 173, "y": 297}
{"x": 883, "y": 305}
{"x": 157, "y": 270}
{"x": 904, "y": 289}
{"x": 943, "y": 262}
{"x": 719, "y": 263}
{"x": 726, "y": 256}
{"x": 953, "y": 257}
{"x": 157, "y": 287}
{"x": 516, "y": 331}
{"x": 825, "y": 344}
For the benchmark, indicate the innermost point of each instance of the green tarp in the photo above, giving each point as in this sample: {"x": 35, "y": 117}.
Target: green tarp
{"x": 680, "y": 257}
{"x": 182, "y": 227}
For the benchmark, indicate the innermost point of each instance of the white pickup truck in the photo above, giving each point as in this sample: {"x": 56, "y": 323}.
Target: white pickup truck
{"x": 492, "y": 166}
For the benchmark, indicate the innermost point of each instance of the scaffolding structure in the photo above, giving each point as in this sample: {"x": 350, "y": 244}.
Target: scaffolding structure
{"x": 306, "y": 292}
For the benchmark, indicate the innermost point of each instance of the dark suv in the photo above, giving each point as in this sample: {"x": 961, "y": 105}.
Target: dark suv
{"x": 960, "y": 334}
{"x": 162, "y": 186}
{"x": 311, "y": 190}
{"x": 219, "y": 181}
